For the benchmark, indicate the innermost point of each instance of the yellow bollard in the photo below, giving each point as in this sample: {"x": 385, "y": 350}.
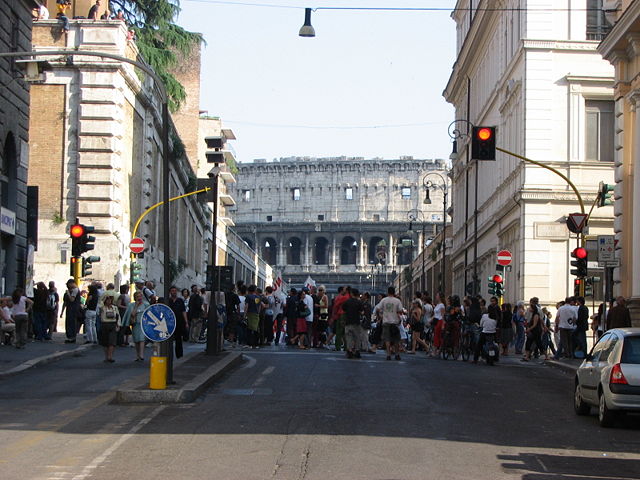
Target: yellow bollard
{"x": 158, "y": 373}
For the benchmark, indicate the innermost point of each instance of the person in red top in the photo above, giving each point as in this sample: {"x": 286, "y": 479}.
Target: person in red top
{"x": 337, "y": 316}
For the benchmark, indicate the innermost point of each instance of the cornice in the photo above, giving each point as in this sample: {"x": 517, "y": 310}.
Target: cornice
{"x": 569, "y": 45}
{"x": 616, "y": 38}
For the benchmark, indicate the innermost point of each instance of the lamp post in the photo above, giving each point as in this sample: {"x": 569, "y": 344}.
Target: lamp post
{"x": 428, "y": 185}
{"x": 414, "y": 217}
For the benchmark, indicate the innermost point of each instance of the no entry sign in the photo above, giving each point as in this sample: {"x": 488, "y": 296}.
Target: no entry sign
{"x": 504, "y": 258}
{"x": 136, "y": 245}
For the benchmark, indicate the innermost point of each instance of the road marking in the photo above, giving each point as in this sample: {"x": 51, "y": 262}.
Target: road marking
{"x": 251, "y": 362}
{"x": 333, "y": 359}
{"x": 95, "y": 463}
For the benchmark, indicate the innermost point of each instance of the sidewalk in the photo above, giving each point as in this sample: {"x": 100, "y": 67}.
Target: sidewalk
{"x": 13, "y": 360}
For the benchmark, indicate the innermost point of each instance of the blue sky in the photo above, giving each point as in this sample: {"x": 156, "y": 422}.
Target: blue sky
{"x": 369, "y": 84}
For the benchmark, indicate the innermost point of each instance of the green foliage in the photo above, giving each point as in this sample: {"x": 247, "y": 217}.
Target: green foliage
{"x": 160, "y": 41}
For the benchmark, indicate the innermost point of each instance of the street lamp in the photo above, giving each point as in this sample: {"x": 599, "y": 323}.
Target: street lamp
{"x": 428, "y": 185}
{"x": 456, "y": 133}
{"x": 307, "y": 29}
{"x": 414, "y": 216}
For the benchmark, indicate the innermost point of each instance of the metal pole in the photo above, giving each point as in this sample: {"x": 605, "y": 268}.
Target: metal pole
{"x": 213, "y": 332}
{"x": 166, "y": 347}
{"x": 475, "y": 233}
{"x": 444, "y": 236}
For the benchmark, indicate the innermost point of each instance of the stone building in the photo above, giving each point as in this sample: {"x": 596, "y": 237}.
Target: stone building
{"x": 339, "y": 220}
{"x": 96, "y": 154}
{"x": 619, "y": 48}
{"x": 15, "y": 35}
{"x": 536, "y": 75}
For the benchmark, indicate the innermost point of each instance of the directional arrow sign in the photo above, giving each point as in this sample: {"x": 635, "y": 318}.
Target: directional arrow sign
{"x": 576, "y": 222}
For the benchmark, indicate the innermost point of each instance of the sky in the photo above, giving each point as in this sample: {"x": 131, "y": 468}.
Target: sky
{"x": 369, "y": 84}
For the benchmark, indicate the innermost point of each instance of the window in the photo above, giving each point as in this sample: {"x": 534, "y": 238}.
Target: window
{"x": 348, "y": 193}
{"x": 631, "y": 350}
{"x": 597, "y": 25}
{"x": 376, "y": 217}
{"x": 406, "y": 193}
{"x": 269, "y": 218}
{"x": 246, "y": 195}
{"x": 320, "y": 217}
{"x": 295, "y": 193}
{"x": 599, "y": 130}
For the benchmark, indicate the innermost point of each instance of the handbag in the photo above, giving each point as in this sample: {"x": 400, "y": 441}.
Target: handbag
{"x": 365, "y": 322}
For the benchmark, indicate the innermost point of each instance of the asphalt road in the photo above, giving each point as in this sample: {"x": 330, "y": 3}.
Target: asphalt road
{"x": 313, "y": 415}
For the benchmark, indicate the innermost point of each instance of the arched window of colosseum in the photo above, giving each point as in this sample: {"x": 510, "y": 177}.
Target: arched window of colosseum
{"x": 348, "y": 251}
{"x": 294, "y": 251}
{"x": 405, "y": 250}
{"x": 376, "y": 245}
{"x": 321, "y": 251}
{"x": 248, "y": 242}
{"x": 269, "y": 251}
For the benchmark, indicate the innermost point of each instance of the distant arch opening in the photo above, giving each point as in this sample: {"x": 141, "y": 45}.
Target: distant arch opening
{"x": 321, "y": 251}
{"x": 269, "y": 251}
{"x": 294, "y": 251}
{"x": 348, "y": 251}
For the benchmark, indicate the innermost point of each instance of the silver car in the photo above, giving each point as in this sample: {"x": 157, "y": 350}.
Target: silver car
{"x": 609, "y": 378}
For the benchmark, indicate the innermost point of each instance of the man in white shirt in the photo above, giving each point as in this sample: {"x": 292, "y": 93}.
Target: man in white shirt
{"x": 565, "y": 321}
{"x": 391, "y": 307}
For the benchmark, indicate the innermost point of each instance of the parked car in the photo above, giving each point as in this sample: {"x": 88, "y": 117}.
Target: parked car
{"x": 609, "y": 377}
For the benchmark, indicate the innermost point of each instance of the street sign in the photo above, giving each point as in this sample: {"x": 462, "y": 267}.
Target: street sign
{"x": 219, "y": 276}
{"x": 504, "y": 258}
{"x": 606, "y": 248}
{"x": 576, "y": 222}
{"x": 158, "y": 322}
{"x": 136, "y": 245}
{"x": 610, "y": 264}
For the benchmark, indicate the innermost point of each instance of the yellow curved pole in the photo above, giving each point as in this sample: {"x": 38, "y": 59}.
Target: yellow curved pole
{"x": 560, "y": 174}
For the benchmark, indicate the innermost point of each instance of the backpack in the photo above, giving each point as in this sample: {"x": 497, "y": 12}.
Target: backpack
{"x": 51, "y": 302}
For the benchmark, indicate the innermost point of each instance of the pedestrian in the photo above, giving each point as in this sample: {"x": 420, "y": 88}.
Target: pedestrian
{"x": 7, "y": 325}
{"x": 597, "y": 322}
{"x": 252, "y": 308}
{"x": 242, "y": 316}
{"x": 194, "y": 314}
{"x": 547, "y": 330}
{"x": 391, "y": 307}
{"x": 352, "y": 311}
{"x": 301, "y": 321}
{"x": 291, "y": 314}
{"x": 109, "y": 326}
{"x": 40, "y": 320}
{"x": 123, "y": 303}
{"x": 71, "y": 309}
{"x": 506, "y": 328}
{"x": 533, "y": 331}
{"x": 365, "y": 322}
{"x": 619, "y": 315}
{"x": 565, "y": 322}
{"x": 416, "y": 316}
{"x": 20, "y": 308}
{"x": 232, "y": 303}
{"x": 149, "y": 292}
{"x": 580, "y": 332}
{"x": 438, "y": 317}
{"x": 269, "y": 315}
{"x": 94, "y": 11}
{"x": 53, "y": 302}
{"x": 91, "y": 314}
{"x": 519, "y": 323}
{"x": 176, "y": 304}
{"x": 337, "y": 314}
{"x": 488, "y": 328}
{"x": 309, "y": 303}
{"x": 133, "y": 319}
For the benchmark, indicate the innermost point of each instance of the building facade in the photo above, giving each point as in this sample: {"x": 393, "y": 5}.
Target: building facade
{"x": 15, "y": 36}
{"x": 96, "y": 156}
{"x": 536, "y": 75}
{"x": 621, "y": 48}
{"x": 339, "y": 220}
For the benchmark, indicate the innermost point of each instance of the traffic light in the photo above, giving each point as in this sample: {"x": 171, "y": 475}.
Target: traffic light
{"x": 580, "y": 254}
{"x": 136, "y": 269}
{"x": 75, "y": 267}
{"x": 605, "y": 194}
{"x": 577, "y": 283}
{"x": 492, "y": 285}
{"x": 483, "y": 143}
{"x": 499, "y": 285}
{"x": 81, "y": 241}
{"x": 87, "y": 263}
{"x": 588, "y": 287}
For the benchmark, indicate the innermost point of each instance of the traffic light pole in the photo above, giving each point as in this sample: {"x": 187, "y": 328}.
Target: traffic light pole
{"x": 213, "y": 332}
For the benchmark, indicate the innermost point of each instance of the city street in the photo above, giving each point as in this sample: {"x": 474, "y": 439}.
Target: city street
{"x": 287, "y": 414}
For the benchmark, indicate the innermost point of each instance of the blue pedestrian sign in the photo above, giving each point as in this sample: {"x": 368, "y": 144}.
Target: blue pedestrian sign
{"x": 158, "y": 322}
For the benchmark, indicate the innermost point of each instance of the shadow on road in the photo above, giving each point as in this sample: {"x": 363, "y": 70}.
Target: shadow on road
{"x": 537, "y": 466}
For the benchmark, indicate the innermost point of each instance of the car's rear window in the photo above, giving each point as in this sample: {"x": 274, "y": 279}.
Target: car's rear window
{"x": 631, "y": 350}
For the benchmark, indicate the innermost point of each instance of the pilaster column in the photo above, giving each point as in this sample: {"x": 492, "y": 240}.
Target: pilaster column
{"x": 391, "y": 253}
{"x": 306, "y": 259}
{"x": 282, "y": 257}
{"x": 361, "y": 254}
{"x": 333, "y": 254}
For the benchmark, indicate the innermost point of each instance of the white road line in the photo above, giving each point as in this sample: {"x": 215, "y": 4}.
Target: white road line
{"x": 263, "y": 376}
{"x": 95, "y": 463}
{"x": 251, "y": 362}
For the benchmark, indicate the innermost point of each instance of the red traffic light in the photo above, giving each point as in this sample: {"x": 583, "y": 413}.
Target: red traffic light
{"x": 577, "y": 281}
{"x": 497, "y": 278}
{"x": 77, "y": 230}
{"x": 484, "y": 134}
{"x": 580, "y": 253}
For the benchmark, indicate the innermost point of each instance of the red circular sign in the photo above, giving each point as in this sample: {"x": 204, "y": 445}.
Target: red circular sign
{"x": 504, "y": 258}
{"x": 136, "y": 245}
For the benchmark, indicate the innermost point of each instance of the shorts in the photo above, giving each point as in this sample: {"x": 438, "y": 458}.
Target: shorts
{"x": 389, "y": 334}
{"x": 108, "y": 334}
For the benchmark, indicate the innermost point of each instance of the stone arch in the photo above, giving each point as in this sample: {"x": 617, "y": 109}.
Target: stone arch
{"x": 294, "y": 251}
{"x": 269, "y": 250}
{"x": 375, "y": 244}
{"x": 405, "y": 250}
{"x": 321, "y": 251}
{"x": 248, "y": 241}
{"x": 348, "y": 251}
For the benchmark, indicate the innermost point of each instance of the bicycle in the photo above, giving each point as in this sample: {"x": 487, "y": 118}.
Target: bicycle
{"x": 468, "y": 342}
{"x": 451, "y": 340}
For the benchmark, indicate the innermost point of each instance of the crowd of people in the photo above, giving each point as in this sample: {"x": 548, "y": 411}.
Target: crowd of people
{"x": 306, "y": 318}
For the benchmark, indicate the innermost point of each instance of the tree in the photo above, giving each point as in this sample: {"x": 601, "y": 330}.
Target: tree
{"x": 159, "y": 40}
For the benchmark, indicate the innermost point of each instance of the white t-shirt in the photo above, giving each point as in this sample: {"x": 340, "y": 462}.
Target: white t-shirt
{"x": 567, "y": 316}
{"x": 20, "y": 307}
{"x": 438, "y": 312}
{"x": 242, "y": 300}
{"x": 488, "y": 324}
{"x": 390, "y": 307}
{"x": 428, "y": 314}
{"x": 308, "y": 301}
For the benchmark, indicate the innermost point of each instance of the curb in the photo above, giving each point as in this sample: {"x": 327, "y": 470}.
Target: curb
{"x": 44, "y": 359}
{"x": 566, "y": 367}
{"x": 186, "y": 394}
